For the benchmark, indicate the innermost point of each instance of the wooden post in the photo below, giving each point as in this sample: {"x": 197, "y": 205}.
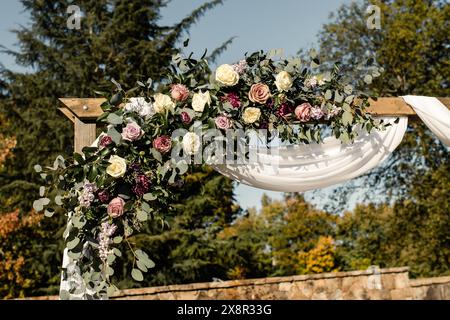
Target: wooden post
{"x": 84, "y": 111}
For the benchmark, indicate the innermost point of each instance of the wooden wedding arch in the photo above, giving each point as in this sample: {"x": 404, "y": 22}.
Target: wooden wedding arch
{"x": 83, "y": 112}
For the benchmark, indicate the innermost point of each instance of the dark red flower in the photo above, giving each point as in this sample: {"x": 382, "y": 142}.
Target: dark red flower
{"x": 142, "y": 185}
{"x": 185, "y": 118}
{"x": 105, "y": 141}
{"x": 284, "y": 110}
{"x": 233, "y": 99}
{"x": 103, "y": 196}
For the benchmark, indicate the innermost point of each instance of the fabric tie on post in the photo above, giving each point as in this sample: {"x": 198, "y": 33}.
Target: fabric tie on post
{"x": 434, "y": 114}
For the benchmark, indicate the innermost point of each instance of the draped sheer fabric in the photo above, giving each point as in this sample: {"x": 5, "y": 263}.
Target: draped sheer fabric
{"x": 298, "y": 168}
{"x": 434, "y": 114}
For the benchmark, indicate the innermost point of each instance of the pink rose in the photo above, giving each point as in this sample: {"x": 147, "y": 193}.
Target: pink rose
{"x": 223, "y": 122}
{"x": 132, "y": 132}
{"x": 185, "y": 118}
{"x": 115, "y": 207}
{"x": 105, "y": 141}
{"x": 163, "y": 144}
{"x": 303, "y": 112}
{"x": 179, "y": 92}
{"x": 259, "y": 93}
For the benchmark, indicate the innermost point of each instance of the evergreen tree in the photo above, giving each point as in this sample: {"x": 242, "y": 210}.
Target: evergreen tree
{"x": 117, "y": 39}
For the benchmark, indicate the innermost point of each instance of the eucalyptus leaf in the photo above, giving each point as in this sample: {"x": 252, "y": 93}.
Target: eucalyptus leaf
{"x": 141, "y": 265}
{"x": 41, "y": 191}
{"x": 149, "y": 197}
{"x": 137, "y": 275}
{"x": 368, "y": 79}
{"x": 37, "y": 168}
{"x": 141, "y": 215}
{"x": 114, "y": 119}
{"x": 49, "y": 213}
{"x": 117, "y": 252}
{"x": 38, "y": 205}
{"x": 347, "y": 118}
{"x": 73, "y": 243}
{"x": 117, "y": 239}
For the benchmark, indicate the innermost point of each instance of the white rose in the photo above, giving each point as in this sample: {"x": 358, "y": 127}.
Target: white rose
{"x": 251, "y": 115}
{"x": 117, "y": 167}
{"x": 191, "y": 143}
{"x": 162, "y": 103}
{"x": 283, "y": 81}
{"x": 226, "y": 75}
{"x": 140, "y": 106}
{"x": 199, "y": 100}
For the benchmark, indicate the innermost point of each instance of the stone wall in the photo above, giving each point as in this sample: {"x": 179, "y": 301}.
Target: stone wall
{"x": 370, "y": 284}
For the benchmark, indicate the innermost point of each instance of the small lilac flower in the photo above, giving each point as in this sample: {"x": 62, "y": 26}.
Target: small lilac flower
{"x": 240, "y": 67}
{"x": 87, "y": 194}
{"x": 333, "y": 112}
{"x": 104, "y": 239}
{"x": 316, "y": 113}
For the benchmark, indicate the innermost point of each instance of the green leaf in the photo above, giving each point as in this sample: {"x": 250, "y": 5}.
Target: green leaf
{"x": 114, "y": 119}
{"x": 149, "y": 197}
{"x": 137, "y": 275}
{"x": 115, "y": 135}
{"x": 347, "y": 118}
{"x": 49, "y": 213}
{"x": 146, "y": 207}
{"x": 112, "y": 289}
{"x": 58, "y": 200}
{"x": 110, "y": 258}
{"x": 41, "y": 191}
{"x": 118, "y": 239}
{"x": 38, "y": 206}
{"x": 141, "y": 215}
{"x": 368, "y": 79}
{"x": 109, "y": 270}
{"x": 141, "y": 265}
{"x": 37, "y": 168}
{"x": 73, "y": 243}
{"x": 45, "y": 201}
{"x": 156, "y": 154}
{"x": 328, "y": 95}
{"x": 117, "y": 252}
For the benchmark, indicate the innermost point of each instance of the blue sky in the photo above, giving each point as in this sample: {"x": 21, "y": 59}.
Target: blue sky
{"x": 257, "y": 24}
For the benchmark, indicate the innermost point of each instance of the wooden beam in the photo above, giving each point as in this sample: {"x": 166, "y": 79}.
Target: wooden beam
{"x": 88, "y": 109}
{"x": 85, "y": 134}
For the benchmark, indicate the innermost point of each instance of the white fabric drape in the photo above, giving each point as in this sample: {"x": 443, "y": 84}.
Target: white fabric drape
{"x": 433, "y": 113}
{"x": 305, "y": 167}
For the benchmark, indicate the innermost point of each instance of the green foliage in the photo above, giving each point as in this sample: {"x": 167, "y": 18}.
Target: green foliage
{"x": 122, "y": 40}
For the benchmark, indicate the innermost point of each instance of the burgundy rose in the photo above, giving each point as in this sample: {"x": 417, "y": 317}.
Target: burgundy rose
{"x": 141, "y": 186}
{"x": 103, "y": 196}
{"x": 185, "y": 118}
{"x": 132, "y": 132}
{"x": 284, "y": 110}
{"x": 105, "y": 141}
{"x": 115, "y": 207}
{"x": 233, "y": 99}
{"x": 303, "y": 112}
{"x": 223, "y": 122}
{"x": 163, "y": 144}
{"x": 179, "y": 92}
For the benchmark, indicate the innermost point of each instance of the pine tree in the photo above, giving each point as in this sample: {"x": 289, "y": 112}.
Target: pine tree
{"x": 117, "y": 39}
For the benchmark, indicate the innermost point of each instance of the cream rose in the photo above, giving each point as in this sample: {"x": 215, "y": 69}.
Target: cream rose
{"x": 251, "y": 115}
{"x": 162, "y": 103}
{"x": 283, "y": 81}
{"x": 199, "y": 100}
{"x": 191, "y": 143}
{"x": 226, "y": 75}
{"x": 117, "y": 167}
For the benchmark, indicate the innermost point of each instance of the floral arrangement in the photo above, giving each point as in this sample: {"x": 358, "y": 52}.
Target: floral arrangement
{"x": 128, "y": 175}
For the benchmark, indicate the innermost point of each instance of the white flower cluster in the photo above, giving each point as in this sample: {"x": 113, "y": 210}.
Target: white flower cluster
{"x": 104, "y": 239}
{"x": 140, "y": 106}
